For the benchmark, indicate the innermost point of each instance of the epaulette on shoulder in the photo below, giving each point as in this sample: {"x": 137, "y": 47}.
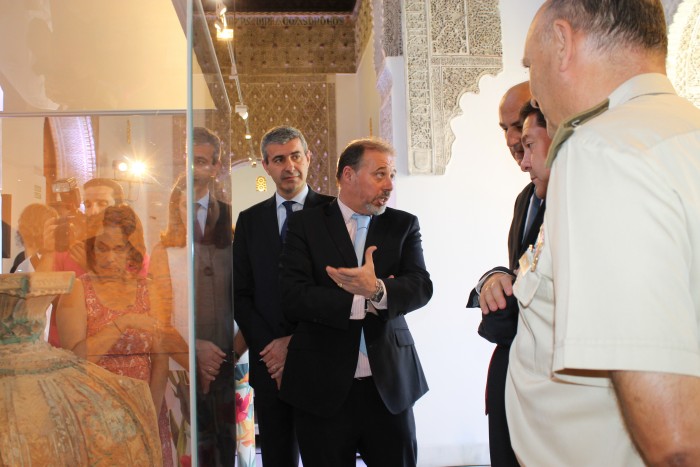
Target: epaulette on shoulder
{"x": 567, "y": 128}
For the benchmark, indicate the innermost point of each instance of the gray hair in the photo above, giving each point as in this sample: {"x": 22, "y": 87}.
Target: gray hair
{"x": 281, "y": 135}
{"x": 639, "y": 24}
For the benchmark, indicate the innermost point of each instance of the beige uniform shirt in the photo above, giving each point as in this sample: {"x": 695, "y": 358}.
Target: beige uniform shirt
{"x": 617, "y": 280}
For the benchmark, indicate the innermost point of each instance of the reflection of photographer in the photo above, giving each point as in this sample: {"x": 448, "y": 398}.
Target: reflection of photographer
{"x": 70, "y": 225}
{"x": 65, "y": 237}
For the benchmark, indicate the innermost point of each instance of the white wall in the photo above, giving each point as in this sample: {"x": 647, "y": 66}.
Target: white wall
{"x": 357, "y": 102}
{"x": 243, "y": 177}
{"x": 23, "y": 145}
{"x": 465, "y": 215}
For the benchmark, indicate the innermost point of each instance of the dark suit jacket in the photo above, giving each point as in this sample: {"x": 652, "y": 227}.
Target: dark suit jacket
{"x": 324, "y": 348}
{"x": 212, "y": 284}
{"x": 217, "y": 229}
{"x": 516, "y": 244}
{"x": 256, "y": 297}
{"x": 500, "y": 327}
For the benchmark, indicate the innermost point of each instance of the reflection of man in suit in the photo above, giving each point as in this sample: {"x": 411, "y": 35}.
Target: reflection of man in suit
{"x": 213, "y": 307}
{"x": 500, "y": 327}
{"x": 256, "y": 250}
{"x": 352, "y": 372}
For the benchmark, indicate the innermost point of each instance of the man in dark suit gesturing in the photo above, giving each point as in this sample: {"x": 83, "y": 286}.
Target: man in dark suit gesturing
{"x": 352, "y": 372}
{"x": 257, "y": 244}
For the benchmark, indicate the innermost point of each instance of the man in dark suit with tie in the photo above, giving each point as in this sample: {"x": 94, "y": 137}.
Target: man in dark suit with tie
{"x": 213, "y": 304}
{"x": 500, "y": 327}
{"x": 260, "y": 231}
{"x": 352, "y": 372}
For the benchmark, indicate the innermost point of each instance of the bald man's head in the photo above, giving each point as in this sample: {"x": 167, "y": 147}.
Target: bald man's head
{"x": 509, "y": 117}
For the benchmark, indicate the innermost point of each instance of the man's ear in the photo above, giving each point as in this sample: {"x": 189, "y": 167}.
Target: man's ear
{"x": 348, "y": 173}
{"x": 563, "y": 37}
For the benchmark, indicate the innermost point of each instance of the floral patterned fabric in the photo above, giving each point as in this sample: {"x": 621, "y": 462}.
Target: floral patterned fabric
{"x": 56, "y": 409}
{"x": 130, "y": 355}
{"x": 245, "y": 423}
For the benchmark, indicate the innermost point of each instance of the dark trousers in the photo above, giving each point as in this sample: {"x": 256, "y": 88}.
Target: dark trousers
{"x": 362, "y": 425}
{"x": 278, "y": 442}
{"x": 501, "y": 451}
{"x": 216, "y": 422}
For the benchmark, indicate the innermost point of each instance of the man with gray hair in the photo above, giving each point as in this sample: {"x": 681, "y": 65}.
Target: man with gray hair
{"x": 605, "y": 368}
{"x": 260, "y": 232}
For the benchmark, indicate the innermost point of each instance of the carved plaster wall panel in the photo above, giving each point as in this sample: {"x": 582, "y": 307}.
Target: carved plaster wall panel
{"x": 384, "y": 78}
{"x": 392, "y": 42}
{"x": 684, "y": 51}
{"x": 449, "y": 45}
{"x": 306, "y": 102}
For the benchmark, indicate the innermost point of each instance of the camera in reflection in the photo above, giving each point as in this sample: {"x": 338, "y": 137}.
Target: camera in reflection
{"x": 68, "y": 208}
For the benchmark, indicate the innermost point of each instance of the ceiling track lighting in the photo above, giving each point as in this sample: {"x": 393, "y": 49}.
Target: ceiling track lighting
{"x": 242, "y": 111}
{"x": 223, "y": 32}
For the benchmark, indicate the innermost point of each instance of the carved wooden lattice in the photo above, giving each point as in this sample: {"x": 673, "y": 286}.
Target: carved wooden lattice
{"x": 305, "y": 102}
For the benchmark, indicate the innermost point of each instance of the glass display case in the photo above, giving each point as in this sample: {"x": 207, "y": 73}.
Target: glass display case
{"x": 115, "y": 165}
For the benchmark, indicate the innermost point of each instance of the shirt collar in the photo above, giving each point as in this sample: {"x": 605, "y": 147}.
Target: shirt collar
{"x": 639, "y": 85}
{"x": 204, "y": 201}
{"x": 299, "y": 198}
{"x": 346, "y": 211}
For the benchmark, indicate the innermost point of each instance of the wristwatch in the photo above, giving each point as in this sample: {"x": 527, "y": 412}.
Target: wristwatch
{"x": 378, "y": 292}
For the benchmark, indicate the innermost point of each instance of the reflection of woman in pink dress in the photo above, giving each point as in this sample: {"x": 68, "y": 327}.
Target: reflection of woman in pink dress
{"x": 108, "y": 318}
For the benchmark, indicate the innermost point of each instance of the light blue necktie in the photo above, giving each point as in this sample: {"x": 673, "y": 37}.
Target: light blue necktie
{"x": 360, "y": 237}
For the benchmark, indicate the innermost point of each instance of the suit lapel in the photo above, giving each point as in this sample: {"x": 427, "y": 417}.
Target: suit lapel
{"x": 269, "y": 226}
{"x": 531, "y": 236}
{"x": 311, "y": 200}
{"x": 339, "y": 233}
{"x": 523, "y": 217}
{"x": 377, "y": 232}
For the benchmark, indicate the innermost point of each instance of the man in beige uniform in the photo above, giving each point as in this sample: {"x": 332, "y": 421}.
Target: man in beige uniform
{"x": 605, "y": 368}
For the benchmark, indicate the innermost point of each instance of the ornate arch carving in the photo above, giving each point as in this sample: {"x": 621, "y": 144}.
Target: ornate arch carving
{"x": 684, "y": 50}
{"x": 74, "y": 144}
{"x": 448, "y": 46}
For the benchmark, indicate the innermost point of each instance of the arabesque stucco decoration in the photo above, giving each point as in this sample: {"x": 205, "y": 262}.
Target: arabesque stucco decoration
{"x": 448, "y": 46}
{"x": 684, "y": 50}
{"x": 391, "y": 28}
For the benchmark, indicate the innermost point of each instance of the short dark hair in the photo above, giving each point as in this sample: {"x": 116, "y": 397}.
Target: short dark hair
{"x": 529, "y": 109}
{"x": 128, "y": 222}
{"x": 353, "y": 152}
{"x": 634, "y": 23}
{"x": 117, "y": 190}
{"x": 281, "y": 135}
{"x": 201, "y": 136}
